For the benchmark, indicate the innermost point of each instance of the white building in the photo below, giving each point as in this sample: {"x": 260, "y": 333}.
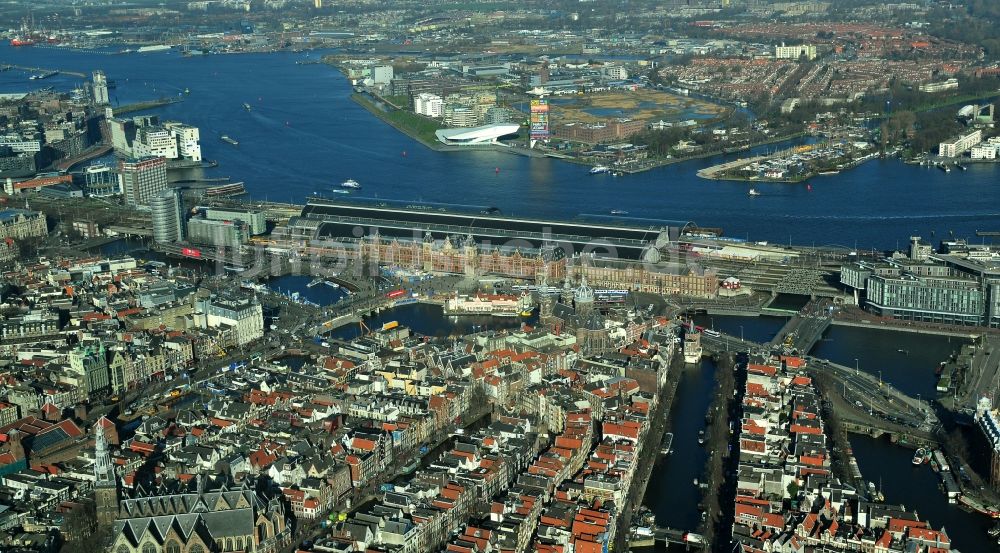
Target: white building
{"x": 984, "y": 151}
{"x": 430, "y": 105}
{"x": 478, "y": 135}
{"x": 960, "y": 145}
{"x": 616, "y": 72}
{"x": 243, "y": 315}
{"x": 187, "y": 138}
{"x": 795, "y": 52}
{"x": 460, "y": 116}
{"x": 949, "y": 84}
{"x": 381, "y": 74}
{"x": 155, "y": 142}
{"x": 20, "y": 145}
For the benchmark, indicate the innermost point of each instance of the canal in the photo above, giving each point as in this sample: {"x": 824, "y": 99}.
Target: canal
{"x": 916, "y": 487}
{"x": 429, "y": 320}
{"x": 671, "y": 494}
{"x": 755, "y": 329}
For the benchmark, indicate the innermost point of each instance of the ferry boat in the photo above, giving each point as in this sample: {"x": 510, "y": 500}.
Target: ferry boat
{"x": 619, "y": 212}
{"x": 753, "y": 192}
{"x": 336, "y": 191}
{"x": 331, "y": 284}
{"x": 229, "y": 139}
{"x": 666, "y": 446}
{"x": 350, "y": 183}
{"x": 22, "y": 41}
{"x": 828, "y": 173}
{"x": 920, "y": 457}
{"x": 692, "y": 347}
{"x": 314, "y": 282}
{"x": 599, "y": 169}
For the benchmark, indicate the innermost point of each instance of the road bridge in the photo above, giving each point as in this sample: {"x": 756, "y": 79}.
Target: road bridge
{"x": 887, "y": 407}
{"x": 229, "y": 256}
{"x": 128, "y": 230}
{"x": 668, "y": 536}
{"x": 801, "y": 332}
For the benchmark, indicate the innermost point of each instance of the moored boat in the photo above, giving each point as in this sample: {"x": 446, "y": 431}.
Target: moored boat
{"x": 667, "y": 445}
{"x": 918, "y": 457}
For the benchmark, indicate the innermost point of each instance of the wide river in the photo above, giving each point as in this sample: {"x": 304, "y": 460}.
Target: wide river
{"x": 304, "y": 134}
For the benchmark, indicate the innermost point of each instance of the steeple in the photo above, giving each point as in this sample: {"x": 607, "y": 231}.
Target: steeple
{"x": 105, "y": 483}
{"x": 566, "y": 297}
{"x": 583, "y": 298}
{"x": 103, "y": 473}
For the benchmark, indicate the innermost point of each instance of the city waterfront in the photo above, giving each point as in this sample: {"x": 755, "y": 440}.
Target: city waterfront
{"x": 304, "y": 135}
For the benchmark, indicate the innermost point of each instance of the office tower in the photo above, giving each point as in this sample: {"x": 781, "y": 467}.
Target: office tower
{"x": 168, "y": 216}
{"x": 142, "y": 179}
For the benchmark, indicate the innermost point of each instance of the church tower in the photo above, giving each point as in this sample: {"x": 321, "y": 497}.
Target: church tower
{"x": 566, "y": 297}
{"x": 546, "y": 300}
{"x": 105, "y": 484}
{"x": 583, "y": 299}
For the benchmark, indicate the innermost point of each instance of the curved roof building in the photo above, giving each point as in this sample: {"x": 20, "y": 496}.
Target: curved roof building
{"x": 476, "y": 135}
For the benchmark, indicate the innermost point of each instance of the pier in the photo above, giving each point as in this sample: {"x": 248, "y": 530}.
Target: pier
{"x": 46, "y": 71}
{"x": 142, "y": 106}
{"x": 714, "y": 171}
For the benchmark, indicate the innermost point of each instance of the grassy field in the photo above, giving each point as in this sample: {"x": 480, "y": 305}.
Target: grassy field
{"x": 416, "y": 126}
{"x": 645, "y": 104}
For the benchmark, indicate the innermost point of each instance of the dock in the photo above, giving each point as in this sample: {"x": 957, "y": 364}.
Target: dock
{"x": 44, "y": 71}
{"x": 715, "y": 170}
{"x": 150, "y": 104}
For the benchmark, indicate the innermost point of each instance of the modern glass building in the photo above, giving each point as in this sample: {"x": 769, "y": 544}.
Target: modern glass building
{"x": 168, "y": 216}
